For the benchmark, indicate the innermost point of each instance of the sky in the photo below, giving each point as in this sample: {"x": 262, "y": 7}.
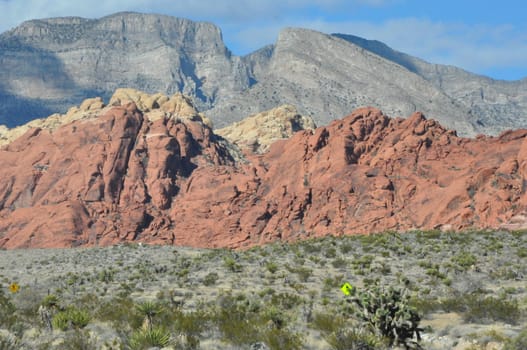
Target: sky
{"x": 484, "y": 37}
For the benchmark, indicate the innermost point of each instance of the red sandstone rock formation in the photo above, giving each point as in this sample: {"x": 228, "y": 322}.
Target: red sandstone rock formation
{"x": 122, "y": 177}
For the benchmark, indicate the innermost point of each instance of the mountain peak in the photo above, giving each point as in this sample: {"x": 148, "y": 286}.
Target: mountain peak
{"x": 51, "y": 64}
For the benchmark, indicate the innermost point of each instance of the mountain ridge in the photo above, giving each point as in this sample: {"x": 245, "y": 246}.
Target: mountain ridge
{"x": 51, "y": 64}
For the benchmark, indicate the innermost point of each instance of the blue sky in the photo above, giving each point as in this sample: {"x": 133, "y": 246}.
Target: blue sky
{"x": 485, "y": 37}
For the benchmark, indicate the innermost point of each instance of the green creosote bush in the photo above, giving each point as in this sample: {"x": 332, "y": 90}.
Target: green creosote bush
{"x": 210, "y": 279}
{"x": 78, "y": 340}
{"x": 303, "y": 273}
{"x": 359, "y": 339}
{"x": 517, "y": 343}
{"x": 327, "y": 322}
{"x": 474, "y": 307}
{"x": 242, "y": 322}
{"x": 481, "y": 309}
{"x": 339, "y": 263}
{"x": 237, "y": 322}
{"x": 286, "y": 301}
{"x": 190, "y": 325}
{"x": 231, "y": 264}
{"x": 120, "y": 312}
{"x": 272, "y": 267}
{"x": 282, "y": 339}
{"x": 464, "y": 260}
{"x": 389, "y": 315}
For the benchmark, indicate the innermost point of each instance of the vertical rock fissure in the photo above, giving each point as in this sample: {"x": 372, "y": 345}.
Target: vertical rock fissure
{"x": 129, "y": 148}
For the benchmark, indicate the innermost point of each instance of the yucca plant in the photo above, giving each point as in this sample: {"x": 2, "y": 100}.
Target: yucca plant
{"x": 71, "y": 317}
{"x": 60, "y": 321}
{"x": 147, "y": 338}
{"x": 78, "y": 318}
{"x": 149, "y": 309}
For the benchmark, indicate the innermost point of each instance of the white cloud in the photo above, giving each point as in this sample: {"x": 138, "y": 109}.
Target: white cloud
{"x": 232, "y": 11}
{"x": 473, "y": 47}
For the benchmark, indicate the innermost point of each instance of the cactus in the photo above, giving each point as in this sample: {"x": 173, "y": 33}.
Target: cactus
{"x": 389, "y": 314}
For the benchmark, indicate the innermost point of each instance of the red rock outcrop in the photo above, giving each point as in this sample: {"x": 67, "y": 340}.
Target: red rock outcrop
{"x": 123, "y": 177}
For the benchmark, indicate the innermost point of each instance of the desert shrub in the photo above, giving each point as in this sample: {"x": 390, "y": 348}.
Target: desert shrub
{"x": 282, "y": 339}
{"x": 191, "y": 325}
{"x": 346, "y": 247}
{"x": 143, "y": 339}
{"x": 70, "y": 318}
{"x": 60, "y": 321}
{"x": 433, "y": 271}
{"x": 8, "y": 342}
{"x": 272, "y": 267}
{"x": 210, "y": 279}
{"x": 363, "y": 262}
{"x": 78, "y": 340}
{"x": 231, "y": 264}
{"x": 339, "y": 263}
{"x": 474, "y": 307}
{"x": 303, "y": 273}
{"x": 106, "y": 275}
{"x": 311, "y": 246}
{"x": 517, "y": 343}
{"x": 464, "y": 260}
{"x": 78, "y": 318}
{"x": 521, "y": 252}
{"x": 327, "y": 322}
{"x": 120, "y": 312}
{"x": 241, "y": 322}
{"x": 389, "y": 314}
{"x": 330, "y": 252}
{"x": 489, "y": 309}
{"x": 360, "y": 339}
{"x": 286, "y": 300}
{"x": 237, "y": 323}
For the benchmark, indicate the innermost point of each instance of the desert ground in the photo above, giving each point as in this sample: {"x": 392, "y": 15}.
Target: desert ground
{"x": 468, "y": 288}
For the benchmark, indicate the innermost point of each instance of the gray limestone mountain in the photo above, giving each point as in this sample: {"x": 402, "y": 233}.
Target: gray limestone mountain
{"x": 56, "y": 63}
{"x": 49, "y": 65}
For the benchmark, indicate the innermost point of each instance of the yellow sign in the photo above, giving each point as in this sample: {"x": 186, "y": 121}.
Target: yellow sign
{"x": 14, "y": 287}
{"x": 346, "y": 288}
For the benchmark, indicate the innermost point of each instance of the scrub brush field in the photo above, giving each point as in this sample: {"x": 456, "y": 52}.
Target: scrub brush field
{"x": 421, "y": 289}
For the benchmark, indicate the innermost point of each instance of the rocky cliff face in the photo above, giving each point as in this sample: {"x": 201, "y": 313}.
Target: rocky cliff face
{"x": 149, "y": 175}
{"x": 48, "y": 65}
